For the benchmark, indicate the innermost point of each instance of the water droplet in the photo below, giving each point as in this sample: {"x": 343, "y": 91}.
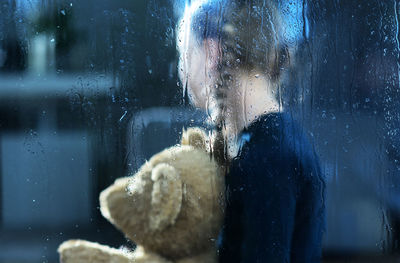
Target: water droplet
{"x": 123, "y": 116}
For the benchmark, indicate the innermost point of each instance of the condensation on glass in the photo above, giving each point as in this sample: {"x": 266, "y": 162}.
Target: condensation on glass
{"x": 89, "y": 90}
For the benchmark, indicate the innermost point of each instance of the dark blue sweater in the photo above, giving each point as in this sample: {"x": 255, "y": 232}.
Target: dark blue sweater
{"x": 275, "y": 196}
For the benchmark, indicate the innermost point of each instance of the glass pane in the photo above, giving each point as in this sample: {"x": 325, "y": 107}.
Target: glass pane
{"x": 298, "y": 100}
{"x": 73, "y": 76}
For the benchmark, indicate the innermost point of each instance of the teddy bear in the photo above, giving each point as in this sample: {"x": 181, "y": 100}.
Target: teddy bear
{"x": 172, "y": 208}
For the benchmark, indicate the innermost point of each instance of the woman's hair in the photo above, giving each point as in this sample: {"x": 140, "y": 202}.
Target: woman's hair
{"x": 250, "y": 32}
{"x": 249, "y": 36}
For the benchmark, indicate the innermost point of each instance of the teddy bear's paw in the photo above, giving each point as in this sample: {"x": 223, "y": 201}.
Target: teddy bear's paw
{"x": 142, "y": 256}
{"x": 207, "y": 257}
{"x": 166, "y": 196}
{"x": 80, "y": 251}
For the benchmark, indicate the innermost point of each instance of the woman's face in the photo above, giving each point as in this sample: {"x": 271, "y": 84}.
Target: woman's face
{"x": 198, "y": 70}
{"x": 249, "y": 96}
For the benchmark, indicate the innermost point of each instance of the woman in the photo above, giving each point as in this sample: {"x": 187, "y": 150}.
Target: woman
{"x": 232, "y": 59}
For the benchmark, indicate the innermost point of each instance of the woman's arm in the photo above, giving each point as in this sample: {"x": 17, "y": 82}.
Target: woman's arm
{"x": 232, "y": 231}
{"x": 310, "y": 215}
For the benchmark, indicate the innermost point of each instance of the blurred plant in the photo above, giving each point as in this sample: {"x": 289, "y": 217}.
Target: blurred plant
{"x": 57, "y": 19}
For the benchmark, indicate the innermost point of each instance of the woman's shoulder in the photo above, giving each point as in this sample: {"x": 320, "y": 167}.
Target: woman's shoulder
{"x": 276, "y": 144}
{"x": 272, "y": 128}
{"x": 277, "y": 135}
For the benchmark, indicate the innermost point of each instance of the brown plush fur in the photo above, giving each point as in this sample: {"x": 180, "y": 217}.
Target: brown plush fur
{"x": 80, "y": 251}
{"x": 172, "y": 207}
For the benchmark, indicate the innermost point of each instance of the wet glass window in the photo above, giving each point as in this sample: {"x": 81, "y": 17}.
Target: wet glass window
{"x": 297, "y": 100}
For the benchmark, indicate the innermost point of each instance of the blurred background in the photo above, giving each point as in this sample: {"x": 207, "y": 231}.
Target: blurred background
{"x": 89, "y": 90}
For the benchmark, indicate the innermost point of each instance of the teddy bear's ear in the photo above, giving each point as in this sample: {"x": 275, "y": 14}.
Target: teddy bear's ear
{"x": 195, "y": 137}
{"x": 166, "y": 196}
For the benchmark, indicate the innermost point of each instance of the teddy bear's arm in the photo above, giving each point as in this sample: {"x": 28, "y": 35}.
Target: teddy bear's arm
{"x": 80, "y": 251}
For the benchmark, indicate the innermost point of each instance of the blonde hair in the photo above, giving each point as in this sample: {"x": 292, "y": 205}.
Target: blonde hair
{"x": 249, "y": 34}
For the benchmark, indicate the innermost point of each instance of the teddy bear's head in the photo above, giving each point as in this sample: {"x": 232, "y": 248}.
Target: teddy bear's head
{"x": 173, "y": 205}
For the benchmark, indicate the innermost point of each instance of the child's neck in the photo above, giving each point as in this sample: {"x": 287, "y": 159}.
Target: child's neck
{"x": 255, "y": 98}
